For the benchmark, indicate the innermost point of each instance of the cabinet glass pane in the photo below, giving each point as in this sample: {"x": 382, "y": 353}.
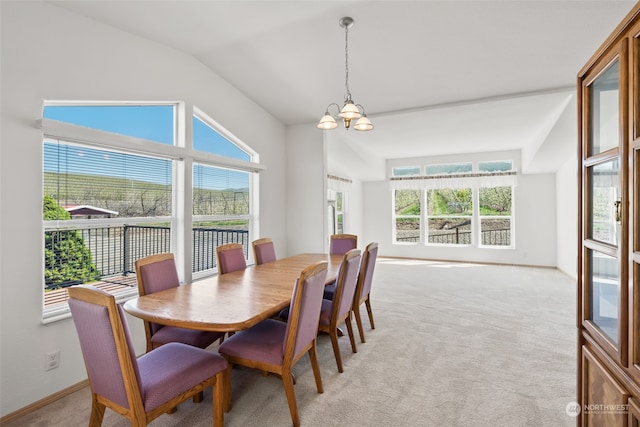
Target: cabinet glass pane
{"x": 605, "y": 196}
{"x": 604, "y": 293}
{"x": 604, "y": 109}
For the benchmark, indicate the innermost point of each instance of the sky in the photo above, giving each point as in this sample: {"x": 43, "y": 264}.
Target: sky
{"x": 150, "y": 122}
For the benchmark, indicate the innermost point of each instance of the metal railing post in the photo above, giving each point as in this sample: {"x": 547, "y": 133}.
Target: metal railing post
{"x": 125, "y": 249}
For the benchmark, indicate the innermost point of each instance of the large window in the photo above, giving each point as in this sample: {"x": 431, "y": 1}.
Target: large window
{"x": 338, "y": 204}
{"x": 336, "y": 214}
{"x": 112, "y": 177}
{"x": 449, "y": 214}
{"x": 465, "y": 204}
{"x": 407, "y": 209}
{"x": 221, "y": 195}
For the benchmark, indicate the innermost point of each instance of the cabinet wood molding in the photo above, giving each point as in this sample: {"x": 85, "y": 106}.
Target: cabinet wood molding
{"x": 608, "y": 312}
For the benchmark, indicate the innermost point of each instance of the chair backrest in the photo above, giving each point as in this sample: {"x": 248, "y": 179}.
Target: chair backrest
{"x": 340, "y": 244}
{"x": 106, "y": 345}
{"x": 156, "y": 273}
{"x": 264, "y": 250}
{"x": 230, "y": 258}
{"x": 304, "y": 316}
{"x": 346, "y": 284}
{"x": 366, "y": 273}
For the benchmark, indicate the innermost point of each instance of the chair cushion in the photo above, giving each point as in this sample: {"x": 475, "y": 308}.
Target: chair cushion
{"x": 329, "y": 291}
{"x": 201, "y": 339}
{"x": 284, "y": 314}
{"x": 325, "y": 312}
{"x": 173, "y": 369}
{"x": 262, "y": 342}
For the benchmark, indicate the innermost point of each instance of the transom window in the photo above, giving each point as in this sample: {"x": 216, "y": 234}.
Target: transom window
{"x": 149, "y": 122}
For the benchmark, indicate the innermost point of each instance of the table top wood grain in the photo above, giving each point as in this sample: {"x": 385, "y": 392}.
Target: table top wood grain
{"x": 232, "y": 301}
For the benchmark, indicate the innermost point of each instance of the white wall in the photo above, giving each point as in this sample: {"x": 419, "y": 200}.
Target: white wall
{"x": 51, "y": 54}
{"x": 567, "y": 217}
{"x": 306, "y": 190}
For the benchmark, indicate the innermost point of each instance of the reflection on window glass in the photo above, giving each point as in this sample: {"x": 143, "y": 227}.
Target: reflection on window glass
{"x": 406, "y": 171}
{"x": 605, "y": 192}
{"x": 220, "y": 191}
{"x": 150, "y": 122}
{"x": 221, "y": 200}
{"x": 206, "y": 139}
{"x": 339, "y": 212}
{"x": 113, "y": 184}
{"x": 605, "y": 293}
{"x": 495, "y": 216}
{"x": 449, "y": 212}
{"x": 604, "y": 111}
{"x": 448, "y": 169}
{"x": 407, "y": 215}
{"x": 502, "y": 166}
{"x": 90, "y": 184}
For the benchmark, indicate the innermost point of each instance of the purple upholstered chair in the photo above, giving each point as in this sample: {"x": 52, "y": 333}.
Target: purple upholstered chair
{"x": 339, "y": 244}
{"x": 263, "y": 250}
{"x": 274, "y": 346}
{"x": 140, "y": 389}
{"x": 363, "y": 289}
{"x": 230, "y": 258}
{"x": 156, "y": 273}
{"x": 338, "y": 310}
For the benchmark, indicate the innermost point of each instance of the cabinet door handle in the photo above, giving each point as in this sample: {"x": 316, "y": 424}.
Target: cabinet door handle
{"x": 618, "y": 204}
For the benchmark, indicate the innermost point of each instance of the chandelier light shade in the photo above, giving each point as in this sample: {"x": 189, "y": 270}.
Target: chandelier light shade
{"x": 350, "y": 110}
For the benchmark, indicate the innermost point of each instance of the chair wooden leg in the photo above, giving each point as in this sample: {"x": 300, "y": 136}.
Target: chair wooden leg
{"x": 356, "y": 313}
{"x": 219, "y": 399}
{"x": 172, "y": 410}
{"x": 97, "y": 413}
{"x": 198, "y": 397}
{"x": 352, "y": 338}
{"x": 336, "y": 348}
{"x": 291, "y": 397}
{"x": 226, "y": 381}
{"x": 316, "y": 367}
{"x": 369, "y": 312}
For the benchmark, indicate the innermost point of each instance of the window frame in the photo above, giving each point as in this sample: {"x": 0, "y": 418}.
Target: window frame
{"x": 475, "y": 179}
{"x": 182, "y": 156}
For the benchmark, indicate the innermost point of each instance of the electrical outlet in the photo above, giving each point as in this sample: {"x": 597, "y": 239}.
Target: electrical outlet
{"x": 52, "y": 360}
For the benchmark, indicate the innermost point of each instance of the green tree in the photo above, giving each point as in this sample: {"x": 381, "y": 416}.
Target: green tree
{"x": 495, "y": 201}
{"x": 66, "y": 257}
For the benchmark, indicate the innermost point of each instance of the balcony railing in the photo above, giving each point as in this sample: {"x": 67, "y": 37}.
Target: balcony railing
{"x": 498, "y": 237}
{"x": 99, "y": 253}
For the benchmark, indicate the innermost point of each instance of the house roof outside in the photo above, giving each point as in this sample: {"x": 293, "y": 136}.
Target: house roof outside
{"x": 87, "y": 210}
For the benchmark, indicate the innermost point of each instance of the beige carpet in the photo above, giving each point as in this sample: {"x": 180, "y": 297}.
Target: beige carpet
{"x": 455, "y": 345}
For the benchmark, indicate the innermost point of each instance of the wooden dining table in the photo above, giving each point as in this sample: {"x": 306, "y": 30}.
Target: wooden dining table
{"x": 233, "y": 301}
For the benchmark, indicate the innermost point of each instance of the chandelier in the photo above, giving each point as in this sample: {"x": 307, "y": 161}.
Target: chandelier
{"x": 350, "y": 110}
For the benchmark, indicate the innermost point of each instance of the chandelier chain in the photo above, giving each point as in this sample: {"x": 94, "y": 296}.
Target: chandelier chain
{"x": 346, "y": 63}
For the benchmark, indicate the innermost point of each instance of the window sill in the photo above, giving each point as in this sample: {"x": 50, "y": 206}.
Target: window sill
{"x": 61, "y": 311}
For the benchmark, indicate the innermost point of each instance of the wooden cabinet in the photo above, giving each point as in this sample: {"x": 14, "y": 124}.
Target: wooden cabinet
{"x": 609, "y": 231}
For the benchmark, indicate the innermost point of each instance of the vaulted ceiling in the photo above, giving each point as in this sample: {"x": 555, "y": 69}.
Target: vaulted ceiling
{"x": 435, "y": 77}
